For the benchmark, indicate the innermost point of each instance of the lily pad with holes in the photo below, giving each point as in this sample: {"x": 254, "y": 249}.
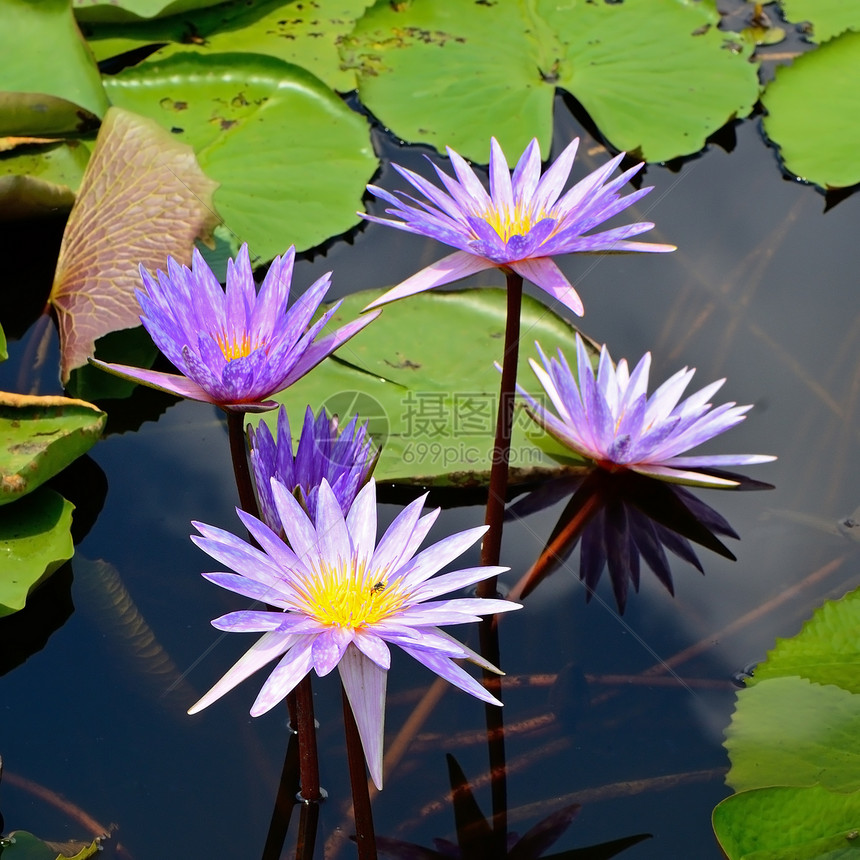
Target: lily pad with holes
{"x": 657, "y": 78}
{"x": 813, "y": 113}
{"x": 432, "y": 400}
{"x": 298, "y": 32}
{"x": 291, "y": 158}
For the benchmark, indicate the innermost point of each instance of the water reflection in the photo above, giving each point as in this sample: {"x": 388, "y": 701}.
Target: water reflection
{"x": 475, "y": 834}
{"x": 620, "y": 519}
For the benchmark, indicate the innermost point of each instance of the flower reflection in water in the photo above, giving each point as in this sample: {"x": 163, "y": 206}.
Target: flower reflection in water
{"x": 475, "y": 833}
{"x": 620, "y": 519}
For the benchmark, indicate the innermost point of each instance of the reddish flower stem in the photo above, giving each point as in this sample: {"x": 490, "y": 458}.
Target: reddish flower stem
{"x": 239, "y": 453}
{"x": 309, "y": 774}
{"x": 490, "y": 553}
{"x": 365, "y": 837}
{"x": 492, "y": 544}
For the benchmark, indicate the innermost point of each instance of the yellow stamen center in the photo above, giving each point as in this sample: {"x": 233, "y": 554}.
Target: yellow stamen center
{"x": 512, "y": 222}
{"x": 236, "y": 346}
{"x": 351, "y": 596}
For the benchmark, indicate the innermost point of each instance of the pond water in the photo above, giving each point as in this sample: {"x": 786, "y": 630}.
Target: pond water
{"x": 762, "y": 290}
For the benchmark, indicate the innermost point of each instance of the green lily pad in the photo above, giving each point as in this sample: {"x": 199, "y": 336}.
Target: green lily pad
{"x": 38, "y": 97}
{"x": 132, "y": 10}
{"x": 794, "y": 728}
{"x": 826, "y": 651}
{"x": 34, "y": 541}
{"x": 41, "y": 180}
{"x": 296, "y": 32}
{"x": 432, "y": 400}
{"x": 292, "y": 159}
{"x": 39, "y": 437}
{"x": 789, "y": 731}
{"x": 656, "y": 78}
{"x": 785, "y": 822}
{"x": 812, "y": 108}
{"x": 828, "y": 18}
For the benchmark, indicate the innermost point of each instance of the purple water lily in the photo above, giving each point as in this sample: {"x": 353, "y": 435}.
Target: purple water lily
{"x": 611, "y": 420}
{"x": 235, "y": 347}
{"x": 521, "y": 224}
{"x": 344, "y": 459}
{"x": 341, "y": 598}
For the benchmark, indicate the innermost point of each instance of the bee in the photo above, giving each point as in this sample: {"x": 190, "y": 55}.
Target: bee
{"x": 378, "y": 588}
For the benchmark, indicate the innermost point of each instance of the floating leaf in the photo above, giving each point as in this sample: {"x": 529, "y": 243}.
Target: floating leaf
{"x": 828, "y": 18}
{"x": 826, "y": 651}
{"x": 131, "y": 10}
{"x": 432, "y": 400}
{"x": 40, "y": 436}
{"x": 292, "y": 159}
{"x": 34, "y": 541}
{"x": 812, "y": 113}
{"x": 36, "y": 96}
{"x": 298, "y": 32}
{"x": 41, "y": 181}
{"x": 143, "y": 198}
{"x": 785, "y": 822}
{"x": 656, "y": 78}
{"x": 789, "y": 731}
{"x": 4, "y": 354}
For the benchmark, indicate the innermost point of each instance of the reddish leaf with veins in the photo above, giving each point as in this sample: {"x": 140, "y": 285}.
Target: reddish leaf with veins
{"x": 142, "y": 198}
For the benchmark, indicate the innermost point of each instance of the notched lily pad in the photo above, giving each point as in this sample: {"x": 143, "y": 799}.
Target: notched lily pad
{"x": 657, "y": 78}
{"x": 35, "y": 540}
{"x": 815, "y": 93}
{"x": 39, "y": 437}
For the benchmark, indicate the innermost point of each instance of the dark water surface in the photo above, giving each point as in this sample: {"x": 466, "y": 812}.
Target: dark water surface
{"x": 763, "y": 290}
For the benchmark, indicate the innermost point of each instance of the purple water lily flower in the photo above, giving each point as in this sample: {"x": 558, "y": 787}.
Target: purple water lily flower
{"x": 521, "y": 224}
{"x": 611, "y": 420}
{"x": 238, "y": 347}
{"x": 345, "y": 460}
{"x": 343, "y": 598}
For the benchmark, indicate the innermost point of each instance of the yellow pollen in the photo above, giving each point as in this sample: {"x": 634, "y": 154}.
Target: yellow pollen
{"x": 351, "y": 596}
{"x": 516, "y": 222}
{"x": 236, "y": 346}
